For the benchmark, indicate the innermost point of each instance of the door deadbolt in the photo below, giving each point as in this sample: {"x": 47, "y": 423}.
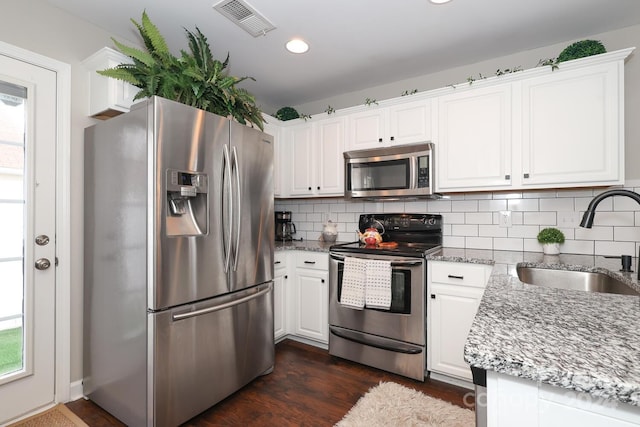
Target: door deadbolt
{"x": 42, "y": 240}
{"x": 43, "y": 264}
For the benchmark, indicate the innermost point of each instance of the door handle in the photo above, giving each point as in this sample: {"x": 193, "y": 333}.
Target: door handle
{"x": 42, "y": 240}
{"x": 43, "y": 264}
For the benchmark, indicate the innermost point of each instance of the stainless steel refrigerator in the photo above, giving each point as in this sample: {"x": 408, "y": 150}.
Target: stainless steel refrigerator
{"x": 178, "y": 267}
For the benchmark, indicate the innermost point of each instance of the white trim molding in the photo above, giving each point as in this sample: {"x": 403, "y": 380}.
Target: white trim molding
{"x": 63, "y": 212}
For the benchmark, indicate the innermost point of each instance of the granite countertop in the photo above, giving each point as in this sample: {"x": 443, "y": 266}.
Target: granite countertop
{"x": 304, "y": 245}
{"x": 587, "y": 342}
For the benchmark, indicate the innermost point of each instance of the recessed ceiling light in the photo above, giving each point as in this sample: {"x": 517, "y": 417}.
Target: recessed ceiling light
{"x": 439, "y": 1}
{"x": 297, "y": 46}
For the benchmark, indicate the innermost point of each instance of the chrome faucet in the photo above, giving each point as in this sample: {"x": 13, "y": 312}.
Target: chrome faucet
{"x": 590, "y": 213}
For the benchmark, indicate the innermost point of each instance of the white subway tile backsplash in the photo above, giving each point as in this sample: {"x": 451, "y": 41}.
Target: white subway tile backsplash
{"x": 614, "y": 218}
{"x": 523, "y": 231}
{"x": 492, "y": 205}
{"x": 464, "y": 206}
{"x": 582, "y": 247}
{"x": 556, "y": 205}
{"x": 507, "y": 244}
{"x": 479, "y": 243}
{"x": 464, "y": 230}
{"x": 594, "y": 233}
{"x": 491, "y": 231}
{"x": 615, "y": 248}
{"x": 626, "y": 234}
{"x": 478, "y": 218}
{"x": 453, "y": 242}
{"x": 471, "y": 219}
{"x": 453, "y": 218}
{"x": 439, "y": 206}
{"x": 522, "y": 205}
{"x": 540, "y": 218}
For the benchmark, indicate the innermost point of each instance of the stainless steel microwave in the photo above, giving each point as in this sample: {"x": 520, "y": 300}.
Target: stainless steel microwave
{"x": 391, "y": 172}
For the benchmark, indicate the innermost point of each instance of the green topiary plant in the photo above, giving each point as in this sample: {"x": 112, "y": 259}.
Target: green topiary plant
{"x": 581, "y": 49}
{"x": 195, "y": 78}
{"x": 550, "y": 235}
{"x": 287, "y": 113}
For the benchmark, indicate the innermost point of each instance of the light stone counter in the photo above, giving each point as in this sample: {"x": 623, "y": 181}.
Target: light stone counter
{"x": 587, "y": 342}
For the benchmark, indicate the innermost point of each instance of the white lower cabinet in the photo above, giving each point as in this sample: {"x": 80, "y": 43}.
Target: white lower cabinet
{"x": 311, "y": 290}
{"x": 301, "y": 295}
{"x": 513, "y": 401}
{"x": 454, "y": 291}
{"x": 280, "y": 285}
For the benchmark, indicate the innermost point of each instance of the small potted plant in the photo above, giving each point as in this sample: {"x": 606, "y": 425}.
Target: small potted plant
{"x": 551, "y": 239}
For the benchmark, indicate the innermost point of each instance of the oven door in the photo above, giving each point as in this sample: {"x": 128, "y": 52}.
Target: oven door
{"x": 404, "y": 321}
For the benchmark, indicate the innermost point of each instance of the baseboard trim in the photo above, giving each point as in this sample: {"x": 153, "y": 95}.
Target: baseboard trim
{"x": 451, "y": 380}
{"x": 75, "y": 391}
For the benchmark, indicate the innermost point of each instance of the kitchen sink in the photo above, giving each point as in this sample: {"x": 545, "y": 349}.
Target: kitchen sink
{"x": 576, "y": 280}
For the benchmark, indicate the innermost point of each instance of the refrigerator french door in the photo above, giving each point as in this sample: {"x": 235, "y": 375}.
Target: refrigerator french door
{"x": 178, "y": 261}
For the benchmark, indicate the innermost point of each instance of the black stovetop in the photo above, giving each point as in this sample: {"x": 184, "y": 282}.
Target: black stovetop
{"x": 415, "y": 234}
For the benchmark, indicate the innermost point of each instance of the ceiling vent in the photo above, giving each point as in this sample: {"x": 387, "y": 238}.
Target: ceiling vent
{"x": 245, "y": 16}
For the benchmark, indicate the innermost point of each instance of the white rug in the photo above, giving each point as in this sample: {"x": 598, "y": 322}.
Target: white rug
{"x": 390, "y": 404}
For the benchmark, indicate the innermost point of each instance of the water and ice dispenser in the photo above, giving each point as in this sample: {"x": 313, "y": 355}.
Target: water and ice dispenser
{"x": 187, "y": 212}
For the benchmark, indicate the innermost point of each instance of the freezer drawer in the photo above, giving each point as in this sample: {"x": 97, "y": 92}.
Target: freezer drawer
{"x": 204, "y": 352}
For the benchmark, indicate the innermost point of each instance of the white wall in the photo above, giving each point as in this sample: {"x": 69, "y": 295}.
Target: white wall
{"x": 37, "y": 26}
{"x": 472, "y": 220}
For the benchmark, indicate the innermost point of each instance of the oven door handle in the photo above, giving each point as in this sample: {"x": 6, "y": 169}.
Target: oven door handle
{"x": 393, "y": 263}
{"x": 377, "y": 342}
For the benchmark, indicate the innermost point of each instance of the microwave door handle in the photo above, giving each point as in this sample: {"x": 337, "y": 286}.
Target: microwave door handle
{"x": 413, "y": 172}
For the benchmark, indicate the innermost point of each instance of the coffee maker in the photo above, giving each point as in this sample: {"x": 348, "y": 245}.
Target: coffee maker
{"x": 285, "y": 229}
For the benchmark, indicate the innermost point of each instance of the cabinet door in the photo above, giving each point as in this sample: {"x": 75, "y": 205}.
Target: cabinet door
{"x": 279, "y": 301}
{"x": 451, "y": 313}
{"x": 473, "y": 148}
{"x": 410, "y": 122}
{"x": 300, "y": 148}
{"x": 367, "y": 129}
{"x": 329, "y": 161}
{"x": 279, "y": 160}
{"x": 312, "y": 292}
{"x": 572, "y": 128}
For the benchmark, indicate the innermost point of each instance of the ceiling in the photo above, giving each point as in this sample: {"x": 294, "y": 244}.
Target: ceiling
{"x": 356, "y": 44}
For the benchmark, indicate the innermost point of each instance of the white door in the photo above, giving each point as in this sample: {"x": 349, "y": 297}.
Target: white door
{"x": 28, "y": 211}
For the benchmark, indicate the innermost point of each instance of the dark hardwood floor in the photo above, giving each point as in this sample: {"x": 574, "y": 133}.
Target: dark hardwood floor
{"x": 308, "y": 387}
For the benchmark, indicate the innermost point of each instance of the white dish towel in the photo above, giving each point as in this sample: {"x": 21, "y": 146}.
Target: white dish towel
{"x": 378, "y": 285}
{"x": 353, "y": 283}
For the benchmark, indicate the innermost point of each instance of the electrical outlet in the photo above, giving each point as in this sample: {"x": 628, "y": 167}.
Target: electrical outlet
{"x": 504, "y": 220}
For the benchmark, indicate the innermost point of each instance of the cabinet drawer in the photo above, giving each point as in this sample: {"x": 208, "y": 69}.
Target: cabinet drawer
{"x": 456, "y": 273}
{"x": 280, "y": 259}
{"x": 314, "y": 260}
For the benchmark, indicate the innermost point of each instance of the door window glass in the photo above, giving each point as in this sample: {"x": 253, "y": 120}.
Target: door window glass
{"x": 12, "y": 226}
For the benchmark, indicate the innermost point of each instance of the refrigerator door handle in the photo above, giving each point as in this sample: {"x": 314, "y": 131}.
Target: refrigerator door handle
{"x": 189, "y": 314}
{"x": 226, "y": 181}
{"x": 236, "y": 170}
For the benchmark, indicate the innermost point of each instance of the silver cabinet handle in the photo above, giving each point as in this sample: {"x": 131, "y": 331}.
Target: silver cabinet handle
{"x": 43, "y": 264}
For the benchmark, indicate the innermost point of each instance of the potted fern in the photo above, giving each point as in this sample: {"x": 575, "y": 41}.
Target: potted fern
{"x": 551, "y": 239}
{"x": 195, "y": 78}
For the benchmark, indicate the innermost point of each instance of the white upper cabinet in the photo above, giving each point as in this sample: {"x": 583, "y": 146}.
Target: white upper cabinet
{"x": 279, "y": 154}
{"x": 107, "y": 97}
{"x": 315, "y": 158}
{"x": 401, "y": 123}
{"x": 473, "y": 146}
{"x": 535, "y": 129}
{"x": 572, "y": 127}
